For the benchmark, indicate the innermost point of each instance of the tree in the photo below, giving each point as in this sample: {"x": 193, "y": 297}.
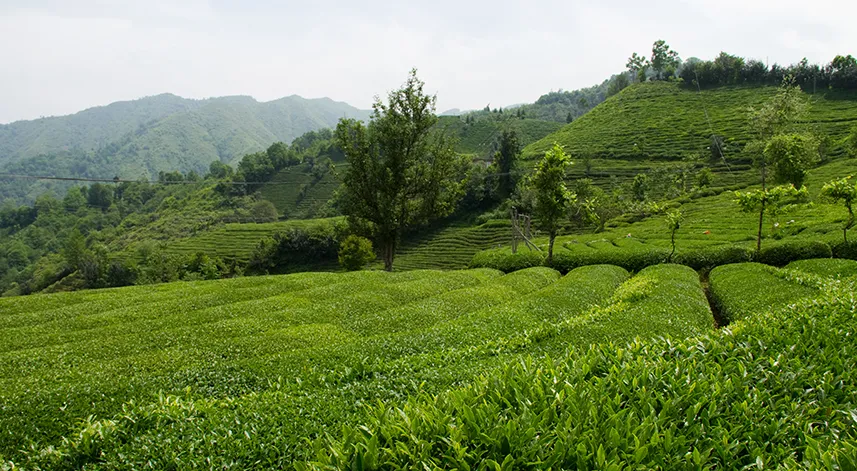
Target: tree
{"x": 640, "y": 186}
{"x": 74, "y": 248}
{"x": 776, "y": 116}
{"x": 635, "y": 64}
{"x": 663, "y": 58}
{"x": 219, "y": 170}
{"x": 851, "y": 143}
{"x": 790, "y": 156}
{"x": 569, "y": 118}
{"x": 552, "y": 196}
{"x": 505, "y": 160}
{"x": 768, "y": 200}
{"x": 673, "y": 220}
{"x": 601, "y": 206}
{"x": 619, "y": 83}
{"x": 842, "y": 190}
{"x": 402, "y": 172}
{"x": 355, "y": 252}
{"x": 100, "y": 196}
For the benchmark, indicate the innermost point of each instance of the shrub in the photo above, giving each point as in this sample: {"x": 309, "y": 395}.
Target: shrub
{"x": 355, "y": 252}
{"x": 830, "y": 267}
{"x": 782, "y": 253}
{"x": 632, "y": 260}
{"x": 845, "y": 250}
{"x": 742, "y": 289}
{"x": 709, "y": 257}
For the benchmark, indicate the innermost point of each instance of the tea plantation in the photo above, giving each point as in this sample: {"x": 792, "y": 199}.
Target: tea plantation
{"x": 443, "y": 369}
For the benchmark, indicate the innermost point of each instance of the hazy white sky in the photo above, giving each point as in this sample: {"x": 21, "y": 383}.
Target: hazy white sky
{"x": 61, "y": 56}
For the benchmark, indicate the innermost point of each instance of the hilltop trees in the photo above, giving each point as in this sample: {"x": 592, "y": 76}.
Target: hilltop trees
{"x": 664, "y": 62}
{"x": 402, "y": 173}
{"x": 663, "y": 59}
{"x": 552, "y": 196}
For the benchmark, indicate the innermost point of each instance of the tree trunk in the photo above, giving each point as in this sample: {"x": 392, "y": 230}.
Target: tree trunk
{"x": 672, "y": 241}
{"x": 550, "y": 248}
{"x": 389, "y": 252}
{"x": 849, "y": 224}
{"x": 759, "y": 234}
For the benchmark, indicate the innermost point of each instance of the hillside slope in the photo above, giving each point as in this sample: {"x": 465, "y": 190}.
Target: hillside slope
{"x": 665, "y": 121}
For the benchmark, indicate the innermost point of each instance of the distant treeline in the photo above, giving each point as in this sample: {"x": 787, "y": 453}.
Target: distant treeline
{"x": 726, "y": 69}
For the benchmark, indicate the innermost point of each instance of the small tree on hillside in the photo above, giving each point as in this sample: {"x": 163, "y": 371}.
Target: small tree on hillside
{"x": 776, "y": 116}
{"x": 673, "y": 220}
{"x": 842, "y": 190}
{"x": 504, "y": 163}
{"x": 769, "y": 200}
{"x": 790, "y": 156}
{"x": 552, "y": 196}
{"x": 636, "y": 63}
{"x": 402, "y": 172}
{"x": 355, "y": 252}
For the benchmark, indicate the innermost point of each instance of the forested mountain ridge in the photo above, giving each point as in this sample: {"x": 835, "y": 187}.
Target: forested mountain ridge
{"x": 139, "y": 138}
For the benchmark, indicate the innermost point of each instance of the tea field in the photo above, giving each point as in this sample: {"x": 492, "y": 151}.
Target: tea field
{"x": 261, "y": 372}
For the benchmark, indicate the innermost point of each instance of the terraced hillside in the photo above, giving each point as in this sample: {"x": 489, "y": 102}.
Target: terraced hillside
{"x": 237, "y": 240}
{"x": 451, "y": 247}
{"x": 665, "y": 121}
{"x": 713, "y": 231}
{"x": 479, "y": 137}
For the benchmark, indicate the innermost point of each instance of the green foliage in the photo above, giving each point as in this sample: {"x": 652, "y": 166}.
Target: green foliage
{"x": 552, "y": 196}
{"x": 771, "y": 201}
{"x": 355, "y": 252}
{"x": 505, "y": 163}
{"x": 523, "y": 412}
{"x": 790, "y": 156}
{"x": 673, "y": 220}
{"x": 781, "y": 253}
{"x": 830, "y": 267}
{"x": 664, "y": 61}
{"x": 401, "y": 173}
{"x": 842, "y": 190}
{"x": 507, "y": 262}
{"x": 741, "y": 289}
{"x": 617, "y": 84}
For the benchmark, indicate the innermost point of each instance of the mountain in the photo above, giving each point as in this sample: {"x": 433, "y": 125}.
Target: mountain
{"x": 139, "y": 138}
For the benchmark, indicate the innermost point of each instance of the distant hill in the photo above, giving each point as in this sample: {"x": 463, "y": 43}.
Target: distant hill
{"x": 139, "y": 138}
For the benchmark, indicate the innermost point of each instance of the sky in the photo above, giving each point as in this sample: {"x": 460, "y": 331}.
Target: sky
{"x": 62, "y": 56}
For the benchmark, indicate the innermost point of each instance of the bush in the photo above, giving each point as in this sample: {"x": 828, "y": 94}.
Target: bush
{"x": 845, "y": 250}
{"x": 781, "y": 254}
{"x": 632, "y": 260}
{"x": 355, "y": 252}
{"x": 830, "y": 267}
{"x": 709, "y": 257}
{"x": 742, "y": 289}
{"x": 503, "y": 260}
